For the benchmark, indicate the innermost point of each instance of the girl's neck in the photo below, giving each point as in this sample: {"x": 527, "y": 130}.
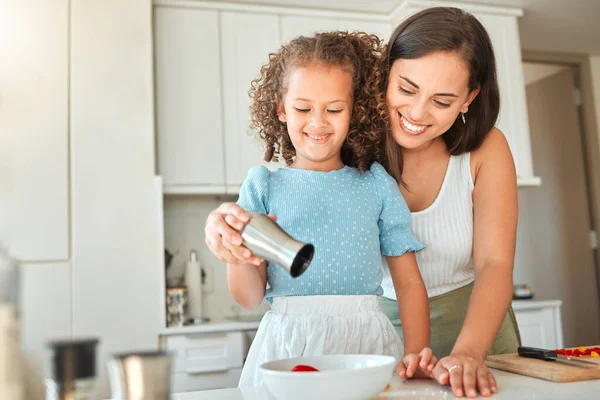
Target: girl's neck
{"x": 328, "y": 166}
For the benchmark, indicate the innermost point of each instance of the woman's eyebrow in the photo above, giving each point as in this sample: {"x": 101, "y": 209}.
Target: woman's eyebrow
{"x": 417, "y": 87}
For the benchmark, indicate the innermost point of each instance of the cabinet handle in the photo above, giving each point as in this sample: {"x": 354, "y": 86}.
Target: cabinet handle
{"x": 201, "y": 371}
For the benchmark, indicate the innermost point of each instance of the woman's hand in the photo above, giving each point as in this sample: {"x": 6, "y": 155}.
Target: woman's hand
{"x": 465, "y": 375}
{"x": 222, "y": 234}
{"x": 417, "y": 365}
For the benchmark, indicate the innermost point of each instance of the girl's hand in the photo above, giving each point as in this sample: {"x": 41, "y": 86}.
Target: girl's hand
{"x": 222, "y": 234}
{"x": 465, "y": 375}
{"x": 417, "y": 365}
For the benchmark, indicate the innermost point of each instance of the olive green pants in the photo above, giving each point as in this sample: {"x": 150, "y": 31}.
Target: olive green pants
{"x": 447, "y": 312}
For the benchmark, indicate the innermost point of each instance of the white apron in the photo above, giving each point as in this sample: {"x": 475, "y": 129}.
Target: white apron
{"x": 299, "y": 326}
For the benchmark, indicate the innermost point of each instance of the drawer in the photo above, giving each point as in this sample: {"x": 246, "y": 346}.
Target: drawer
{"x": 207, "y": 352}
{"x": 181, "y": 383}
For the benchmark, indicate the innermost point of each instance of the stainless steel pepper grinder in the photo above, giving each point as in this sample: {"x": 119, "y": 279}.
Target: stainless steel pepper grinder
{"x": 266, "y": 239}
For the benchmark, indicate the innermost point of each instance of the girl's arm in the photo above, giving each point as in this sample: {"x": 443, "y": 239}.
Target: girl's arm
{"x": 413, "y": 304}
{"x": 247, "y": 283}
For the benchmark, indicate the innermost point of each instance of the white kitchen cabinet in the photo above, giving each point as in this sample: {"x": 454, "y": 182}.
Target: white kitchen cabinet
{"x": 292, "y": 26}
{"x": 513, "y": 120}
{"x": 34, "y": 130}
{"x": 204, "y": 361}
{"x": 188, "y": 100}
{"x": 381, "y": 29}
{"x": 501, "y": 25}
{"x": 246, "y": 41}
{"x": 539, "y": 323}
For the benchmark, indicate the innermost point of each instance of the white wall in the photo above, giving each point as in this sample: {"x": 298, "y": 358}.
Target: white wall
{"x": 185, "y": 217}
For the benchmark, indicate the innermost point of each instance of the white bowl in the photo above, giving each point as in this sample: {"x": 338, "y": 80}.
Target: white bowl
{"x": 347, "y": 377}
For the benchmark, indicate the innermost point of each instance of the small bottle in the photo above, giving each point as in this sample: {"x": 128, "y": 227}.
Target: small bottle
{"x": 193, "y": 281}
{"x": 72, "y": 370}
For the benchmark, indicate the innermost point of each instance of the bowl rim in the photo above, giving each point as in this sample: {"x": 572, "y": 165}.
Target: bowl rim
{"x": 391, "y": 360}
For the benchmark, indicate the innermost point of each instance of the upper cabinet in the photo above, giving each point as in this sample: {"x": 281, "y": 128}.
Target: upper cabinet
{"x": 208, "y": 53}
{"x": 189, "y": 121}
{"x": 501, "y": 25}
{"x": 34, "y": 130}
{"x": 294, "y": 25}
{"x": 247, "y": 39}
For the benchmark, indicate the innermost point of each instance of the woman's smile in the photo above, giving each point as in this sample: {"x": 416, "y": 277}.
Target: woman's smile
{"x": 411, "y": 128}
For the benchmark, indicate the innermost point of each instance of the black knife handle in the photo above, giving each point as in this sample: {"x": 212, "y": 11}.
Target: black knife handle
{"x": 540, "y": 354}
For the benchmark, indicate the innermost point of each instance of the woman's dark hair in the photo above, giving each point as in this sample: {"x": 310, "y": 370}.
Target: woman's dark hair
{"x": 360, "y": 54}
{"x": 449, "y": 29}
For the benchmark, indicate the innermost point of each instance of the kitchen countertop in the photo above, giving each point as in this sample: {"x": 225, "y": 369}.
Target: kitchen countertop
{"x": 244, "y": 323}
{"x": 510, "y": 386}
{"x": 531, "y": 304}
{"x": 225, "y": 325}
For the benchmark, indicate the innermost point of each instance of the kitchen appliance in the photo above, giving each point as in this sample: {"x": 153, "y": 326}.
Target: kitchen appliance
{"x": 266, "y": 239}
{"x": 72, "y": 369}
{"x": 522, "y": 291}
{"x": 547, "y": 370}
{"x": 141, "y": 375}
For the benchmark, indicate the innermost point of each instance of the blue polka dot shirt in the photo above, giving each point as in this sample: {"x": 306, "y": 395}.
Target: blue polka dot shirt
{"x": 351, "y": 218}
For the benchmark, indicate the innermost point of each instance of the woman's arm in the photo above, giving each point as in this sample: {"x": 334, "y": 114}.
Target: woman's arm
{"x": 247, "y": 283}
{"x": 495, "y": 209}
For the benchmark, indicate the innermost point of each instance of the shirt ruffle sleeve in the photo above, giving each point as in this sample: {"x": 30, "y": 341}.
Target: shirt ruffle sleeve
{"x": 254, "y": 193}
{"x": 395, "y": 234}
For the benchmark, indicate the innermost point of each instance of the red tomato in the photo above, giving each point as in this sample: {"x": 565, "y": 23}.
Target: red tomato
{"x": 304, "y": 368}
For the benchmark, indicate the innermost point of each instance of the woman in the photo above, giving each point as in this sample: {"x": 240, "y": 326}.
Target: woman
{"x": 458, "y": 178}
{"x": 459, "y": 182}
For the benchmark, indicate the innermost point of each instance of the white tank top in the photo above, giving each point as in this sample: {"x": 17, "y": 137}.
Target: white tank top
{"x": 446, "y": 230}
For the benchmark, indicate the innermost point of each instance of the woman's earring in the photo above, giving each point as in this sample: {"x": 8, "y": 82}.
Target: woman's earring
{"x": 462, "y": 115}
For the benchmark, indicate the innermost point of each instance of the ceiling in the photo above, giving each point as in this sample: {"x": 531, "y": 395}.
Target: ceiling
{"x": 566, "y": 26}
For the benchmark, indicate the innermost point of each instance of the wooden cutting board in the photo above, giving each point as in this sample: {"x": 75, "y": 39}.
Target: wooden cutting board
{"x": 548, "y": 370}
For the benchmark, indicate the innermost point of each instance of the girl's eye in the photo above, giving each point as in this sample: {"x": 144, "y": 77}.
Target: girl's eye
{"x": 334, "y": 111}
{"x": 405, "y": 91}
{"x": 440, "y": 104}
{"x": 302, "y": 110}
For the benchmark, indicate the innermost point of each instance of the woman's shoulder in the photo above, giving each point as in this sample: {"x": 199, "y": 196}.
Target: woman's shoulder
{"x": 494, "y": 152}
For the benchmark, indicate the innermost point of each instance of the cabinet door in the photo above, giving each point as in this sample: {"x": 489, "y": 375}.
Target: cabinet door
{"x": 292, "y": 26}
{"x": 247, "y": 40}
{"x": 34, "y": 129}
{"x": 540, "y": 328}
{"x": 513, "y": 118}
{"x": 381, "y": 29}
{"x": 188, "y": 99}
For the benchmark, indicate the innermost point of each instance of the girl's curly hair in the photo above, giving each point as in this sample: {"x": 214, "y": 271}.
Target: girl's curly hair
{"x": 362, "y": 55}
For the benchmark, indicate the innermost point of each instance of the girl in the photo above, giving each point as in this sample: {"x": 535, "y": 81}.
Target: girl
{"x": 318, "y": 105}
